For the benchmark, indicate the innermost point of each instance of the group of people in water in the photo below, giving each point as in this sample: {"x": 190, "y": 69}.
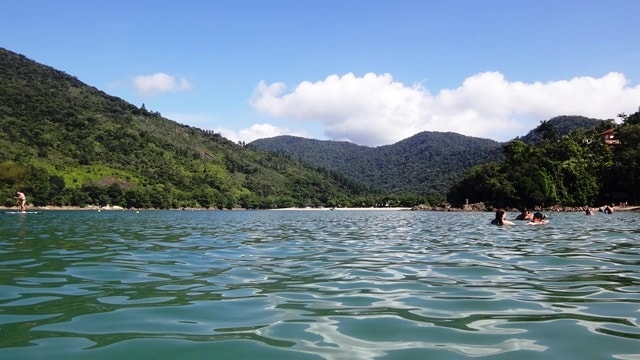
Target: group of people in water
{"x": 608, "y": 209}
{"x": 532, "y": 219}
{"x": 538, "y": 218}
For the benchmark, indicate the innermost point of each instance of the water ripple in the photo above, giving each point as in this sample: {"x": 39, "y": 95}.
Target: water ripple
{"x": 318, "y": 284}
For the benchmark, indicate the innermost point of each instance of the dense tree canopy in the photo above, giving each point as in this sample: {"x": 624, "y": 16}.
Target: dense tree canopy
{"x": 65, "y": 143}
{"x": 577, "y": 169}
{"x": 423, "y": 165}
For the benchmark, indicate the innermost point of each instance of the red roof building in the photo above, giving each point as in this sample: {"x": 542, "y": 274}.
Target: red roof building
{"x": 609, "y": 138}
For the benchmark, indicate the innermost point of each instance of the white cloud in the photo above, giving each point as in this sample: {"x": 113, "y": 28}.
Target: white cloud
{"x": 158, "y": 83}
{"x": 258, "y": 131}
{"x": 375, "y": 109}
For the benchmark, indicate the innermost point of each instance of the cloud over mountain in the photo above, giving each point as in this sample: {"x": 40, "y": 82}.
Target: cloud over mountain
{"x": 375, "y": 109}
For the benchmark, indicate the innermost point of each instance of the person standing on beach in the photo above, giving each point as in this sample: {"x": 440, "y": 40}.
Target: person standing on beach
{"x": 21, "y": 199}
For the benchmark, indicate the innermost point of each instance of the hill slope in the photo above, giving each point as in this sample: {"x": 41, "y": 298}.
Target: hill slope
{"x": 66, "y": 143}
{"x": 426, "y": 163}
{"x": 563, "y": 125}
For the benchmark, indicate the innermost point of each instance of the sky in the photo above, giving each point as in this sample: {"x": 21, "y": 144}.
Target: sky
{"x": 372, "y": 72}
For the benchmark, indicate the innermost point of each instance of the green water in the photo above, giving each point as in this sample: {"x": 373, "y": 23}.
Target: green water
{"x": 317, "y": 285}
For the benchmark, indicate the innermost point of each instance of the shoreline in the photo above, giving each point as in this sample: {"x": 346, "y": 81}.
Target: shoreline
{"x": 119, "y": 208}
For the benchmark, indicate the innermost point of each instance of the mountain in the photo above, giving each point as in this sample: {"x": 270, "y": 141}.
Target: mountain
{"x": 66, "y": 143}
{"x": 424, "y": 164}
{"x": 563, "y": 125}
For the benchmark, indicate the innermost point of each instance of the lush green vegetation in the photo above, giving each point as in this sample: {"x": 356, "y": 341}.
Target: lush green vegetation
{"x": 563, "y": 125}
{"x": 576, "y": 169}
{"x": 68, "y": 144}
{"x": 65, "y": 143}
{"x": 418, "y": 169}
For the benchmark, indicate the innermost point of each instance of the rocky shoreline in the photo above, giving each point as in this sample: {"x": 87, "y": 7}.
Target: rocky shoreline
{"x": 484, "y": 207}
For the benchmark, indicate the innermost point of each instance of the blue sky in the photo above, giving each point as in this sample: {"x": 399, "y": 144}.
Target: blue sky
{"x": 368, "y": 71}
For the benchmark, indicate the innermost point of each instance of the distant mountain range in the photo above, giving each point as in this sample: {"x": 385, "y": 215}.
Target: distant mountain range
{"x": 424, "y": 164}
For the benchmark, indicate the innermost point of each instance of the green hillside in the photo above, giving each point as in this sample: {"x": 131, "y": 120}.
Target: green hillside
{"x": 563, "y": 125}
{"x": 67, "y": 143}
{"x": 424, "y": 164}
{"x": 576, "y": 169}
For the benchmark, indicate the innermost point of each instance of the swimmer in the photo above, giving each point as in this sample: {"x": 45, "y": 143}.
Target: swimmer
{"x": 538, "y": 219}
{"x": 525, "y": 215}
{"x": 501, "y": 218}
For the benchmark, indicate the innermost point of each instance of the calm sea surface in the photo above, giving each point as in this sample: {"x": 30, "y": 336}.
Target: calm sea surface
{"x": 317, "y": 285}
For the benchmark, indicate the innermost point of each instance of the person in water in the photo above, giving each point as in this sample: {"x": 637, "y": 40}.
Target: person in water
{"x": 524, "y": 215}
{"x": 589, "y": 211}
{"x": 21, "y": 199}
{"x": 501, "y": 218}
{"x": 538, "y": 219}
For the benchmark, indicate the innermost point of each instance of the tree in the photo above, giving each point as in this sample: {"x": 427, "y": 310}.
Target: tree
{"x": 549, "y": 132}
{"x": 575, "y": 169}
{"x": 623, "y": 177}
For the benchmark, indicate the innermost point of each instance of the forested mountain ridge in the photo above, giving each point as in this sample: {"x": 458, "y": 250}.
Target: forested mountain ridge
{"x": 424, "y": 164}
{"x": 563, "y": 125}
{"x": 428, "y": 163}
{"x": 319, "y": 153}
{"x": 67, "y": 143}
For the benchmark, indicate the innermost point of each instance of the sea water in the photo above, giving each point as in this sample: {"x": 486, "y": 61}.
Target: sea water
{"x": 317, "y": 285}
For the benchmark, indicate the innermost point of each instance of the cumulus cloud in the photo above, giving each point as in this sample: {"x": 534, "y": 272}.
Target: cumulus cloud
{"x": 375, "y": 109}
{"x": 258, "y": 131}
{"x": 158, "y": 83}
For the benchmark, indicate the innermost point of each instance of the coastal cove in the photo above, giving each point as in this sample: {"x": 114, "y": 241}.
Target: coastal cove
{"x": 348, "y": 284}
{"x": 479, "y": 207}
